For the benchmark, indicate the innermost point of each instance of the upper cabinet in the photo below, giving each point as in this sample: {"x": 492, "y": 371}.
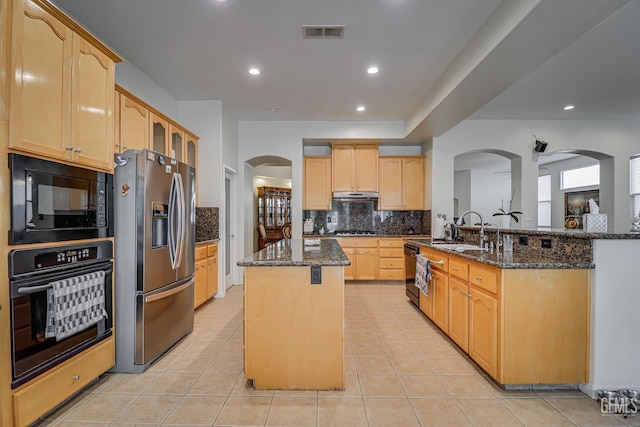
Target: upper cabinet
{"x": 140, "y": 126}
{"x": 317, "y": 183}
{"x": 355, "y": 167}
{"x": 62, "y": 97}
{"x": 401, "y": 183}
{"x": 132, "y": 124}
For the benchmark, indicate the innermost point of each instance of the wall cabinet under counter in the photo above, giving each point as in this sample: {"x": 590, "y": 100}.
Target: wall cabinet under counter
{"x": 487, "y": 311}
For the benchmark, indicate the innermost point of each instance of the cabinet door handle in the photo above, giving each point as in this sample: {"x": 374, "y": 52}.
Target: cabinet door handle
{"x": 78, "y": 150}
{"x": 455, "y": 268}
{"x": 76, "y": 377}
{"x": 478, "y": 277}
{"x": 69, "y": 147}
{"x": 463, "y": 292}
{"x": 468, "y": 295}
{"x": 117, "y": 145}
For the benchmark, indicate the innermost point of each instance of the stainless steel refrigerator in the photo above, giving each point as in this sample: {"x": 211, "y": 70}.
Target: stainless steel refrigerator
{"x": 154, "y": 199}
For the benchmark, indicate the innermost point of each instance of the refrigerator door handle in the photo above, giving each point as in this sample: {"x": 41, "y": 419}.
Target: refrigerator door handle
{"x": 165, "y": 294}
{"x": 172, "y": 227}
{"x": 181, "y": 220}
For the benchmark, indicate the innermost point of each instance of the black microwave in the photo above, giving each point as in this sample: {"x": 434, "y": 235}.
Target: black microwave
{"x": 52, "y": 202}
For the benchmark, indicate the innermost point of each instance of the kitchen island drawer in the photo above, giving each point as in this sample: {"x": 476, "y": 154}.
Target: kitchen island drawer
{"x": 45, "y": 393}
{"x": 459, "y": 269}
{"x": 483, "y": 278}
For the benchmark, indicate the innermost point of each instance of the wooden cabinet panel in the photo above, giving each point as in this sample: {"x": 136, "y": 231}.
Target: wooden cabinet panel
{"x": 212, "y": 270}
{"x": 483, "y": 330}
{"x": 159, "y": 134}
{"x": 391, "y": 252}
{"x": 176, "y": 140}
{"x": 200, "y": 285}
{"x": 391, "y": 194}
{"x": 93, "y": 103}
{"x": 392, "y": 243}
{"x": 367, "y": 264}
{"x": 366, "y": 167}
{"x": 459, "y": 269}
{"x": 440, "y": 314}
{"x": 413, "y": 183}
{"x": 133, "y": 124}
{"x": 317, "y": 183}
{"x": 44, "y": 394}
{"x": 426, "y": 301}
{"x": 343, "y": 159}
{"x": 484, "y": 278}
{"x": 391, "y": 263}
{"x": 350, "y": 270}
{"x": 459, "y": 313}
{"x": 191, "y": 150}
{"x": 41, "y": 92}
{"x": 401, "y": 183}
{"x": 354, "y": 167}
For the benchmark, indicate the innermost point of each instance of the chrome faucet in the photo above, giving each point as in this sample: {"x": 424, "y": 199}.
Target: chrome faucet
{"x": 459, "y": 222}
{"x": 498, "y": 241}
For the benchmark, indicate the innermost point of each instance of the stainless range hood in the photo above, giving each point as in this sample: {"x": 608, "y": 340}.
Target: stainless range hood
{"x": 355, "y": 196}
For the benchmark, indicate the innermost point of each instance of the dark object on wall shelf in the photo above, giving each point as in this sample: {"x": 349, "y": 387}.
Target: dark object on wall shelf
{"x": 576, "y": 204}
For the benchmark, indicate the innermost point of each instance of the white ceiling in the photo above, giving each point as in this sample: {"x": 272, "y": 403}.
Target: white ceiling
{"x": 440, "y": 60}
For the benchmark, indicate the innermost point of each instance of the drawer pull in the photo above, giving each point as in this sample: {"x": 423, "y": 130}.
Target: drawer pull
{"x": 478, "y": 277}
{"x": 455, "y": 268}
{"x": 463, "y": 293}
{"x": 76, "y": 377}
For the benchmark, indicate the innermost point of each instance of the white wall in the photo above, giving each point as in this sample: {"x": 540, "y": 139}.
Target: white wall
{"x": 617, "y": 139}
{"x": 136, "y": 82}
{"x": 461, "y": 191}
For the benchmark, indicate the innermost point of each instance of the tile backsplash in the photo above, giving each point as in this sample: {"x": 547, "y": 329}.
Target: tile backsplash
{"x": 363, "y": 216}
{"x": 207, "y": 224}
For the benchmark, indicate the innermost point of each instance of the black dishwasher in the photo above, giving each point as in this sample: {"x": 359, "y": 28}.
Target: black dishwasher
{"x": 410, "y": 252}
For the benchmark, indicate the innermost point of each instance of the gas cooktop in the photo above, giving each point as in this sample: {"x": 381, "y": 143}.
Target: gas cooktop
{"x": 355, "y": 233}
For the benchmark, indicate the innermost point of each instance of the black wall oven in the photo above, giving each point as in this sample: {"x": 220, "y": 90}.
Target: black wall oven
{"x": 35, "y": 347}
{"x": 53, "y": 202}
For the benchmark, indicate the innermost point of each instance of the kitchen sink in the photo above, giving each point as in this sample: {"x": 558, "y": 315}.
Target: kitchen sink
{"x": 459, "y": 247}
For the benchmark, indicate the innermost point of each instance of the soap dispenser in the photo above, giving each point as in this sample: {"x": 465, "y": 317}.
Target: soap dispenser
{"x": 307, "y": 227}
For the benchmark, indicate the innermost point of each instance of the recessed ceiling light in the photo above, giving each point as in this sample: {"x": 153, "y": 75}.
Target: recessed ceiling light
{"x": 373, "y": 70}
{"x": 360, "y": 108}
{"x": 272, "y": 109}
{"x": 569, "y": 107}
{"x": 254, "y": 71}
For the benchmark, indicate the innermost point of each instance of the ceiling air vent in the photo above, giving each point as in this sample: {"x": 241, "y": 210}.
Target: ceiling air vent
{"x": 323, "y": 31}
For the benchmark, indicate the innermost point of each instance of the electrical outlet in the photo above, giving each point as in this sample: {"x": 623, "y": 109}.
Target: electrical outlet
{"x": 316, "y": 275}
{"x": 545, "y": 243}
{"x": 523, "y": 240}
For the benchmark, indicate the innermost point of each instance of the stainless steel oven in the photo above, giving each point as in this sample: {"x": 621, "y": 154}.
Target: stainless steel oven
{"x": 52, "y": 202}
{"x": 32, "y": 274}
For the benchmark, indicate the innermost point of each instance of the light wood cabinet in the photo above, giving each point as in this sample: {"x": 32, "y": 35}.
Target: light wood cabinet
{"x": 206, "y": 273}
{"x": 317, "y": 183}
{"x": 490, "y": 311}
{"x": 391, "y": 259}
{"x": 177, "y": 144}
{"x": 274, "y": 211}
{"x": 459, "y": 313}
{"x": 440, "y": 297}
{"x": 159, "y": 134}
{"x": 355, "y": 167}
{"x": 363, "y": 254}
{"x": 47, "y": 391}
{"x": 401, "y": 183}
{"x": 191, "y": 149}
{"x": 62, "y": 90}
{"x": 132, "y": 124}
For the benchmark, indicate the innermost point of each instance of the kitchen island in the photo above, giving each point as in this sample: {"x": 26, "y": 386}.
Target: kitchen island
{"x": 294, "y": 316}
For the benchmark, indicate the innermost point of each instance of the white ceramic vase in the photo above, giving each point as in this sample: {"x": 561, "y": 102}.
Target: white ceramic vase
{"x": 505, "y": 221}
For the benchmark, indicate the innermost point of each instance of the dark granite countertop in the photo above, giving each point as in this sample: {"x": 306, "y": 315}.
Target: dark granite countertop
{"x": 293, "y": 252}
{"x": 580, "y": 234}
{"x": 200, "y": 242}
{"x": 347, "y": 236}
{"x": 510, "y": 260}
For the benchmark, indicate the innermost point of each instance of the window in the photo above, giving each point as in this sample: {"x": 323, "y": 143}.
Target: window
{"x": 580, "y": 177}
{"x": 635, "y": 185}
{"x": 544, "y": 201}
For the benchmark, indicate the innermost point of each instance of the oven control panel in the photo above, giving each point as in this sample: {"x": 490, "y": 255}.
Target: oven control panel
{"x": 69, "y": 256}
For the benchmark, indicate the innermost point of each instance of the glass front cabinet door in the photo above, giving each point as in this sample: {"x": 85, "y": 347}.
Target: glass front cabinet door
{"x": 274, "y": 210}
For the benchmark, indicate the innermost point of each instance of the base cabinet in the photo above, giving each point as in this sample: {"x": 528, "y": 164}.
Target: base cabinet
{"x": 206, "y": 273}
{"x": 521, "y": 326}
{"x": 48, "y": 391}
{"x": 363, "y": 254}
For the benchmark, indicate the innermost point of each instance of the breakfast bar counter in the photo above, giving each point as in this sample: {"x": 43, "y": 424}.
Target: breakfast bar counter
{"x": 294, "y": 316}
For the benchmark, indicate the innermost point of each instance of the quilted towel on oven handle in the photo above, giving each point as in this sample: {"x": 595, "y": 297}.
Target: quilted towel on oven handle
{"x": 75, "y": 304}
{"x": 423, "y": 273}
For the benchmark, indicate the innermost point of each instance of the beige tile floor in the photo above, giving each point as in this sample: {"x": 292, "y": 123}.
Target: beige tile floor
{"x": 400, "y": 371}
